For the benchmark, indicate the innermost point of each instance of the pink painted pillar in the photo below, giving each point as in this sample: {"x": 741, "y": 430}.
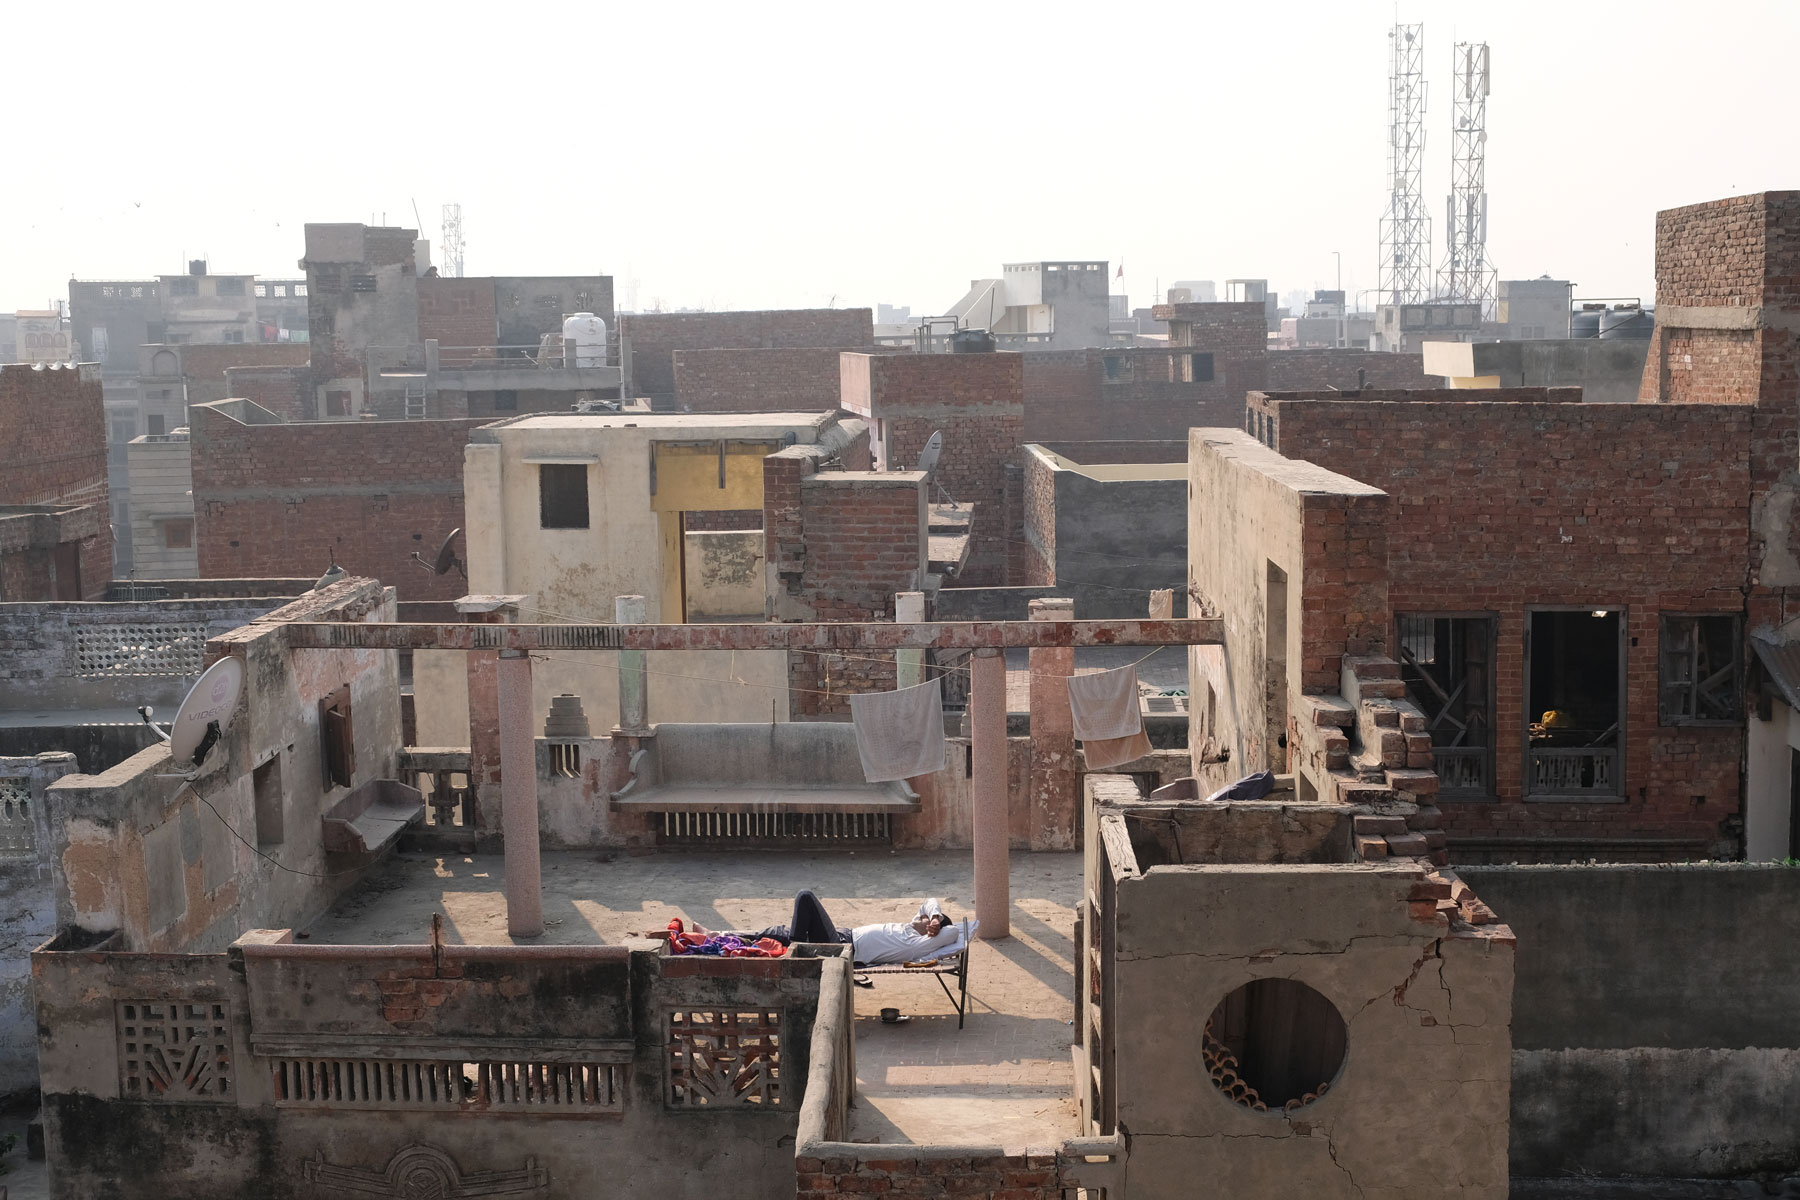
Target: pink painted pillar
{"x": 1052, "y": 791}
{"x": 518, "y": 797}
{"x": 987, "y": 731}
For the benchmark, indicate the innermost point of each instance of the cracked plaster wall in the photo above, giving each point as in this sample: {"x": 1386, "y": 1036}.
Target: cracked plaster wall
{"x": 1419, "y": 1108}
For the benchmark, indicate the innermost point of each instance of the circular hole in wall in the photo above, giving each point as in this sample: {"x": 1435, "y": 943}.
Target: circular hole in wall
{"x": 1274, "y": 1044}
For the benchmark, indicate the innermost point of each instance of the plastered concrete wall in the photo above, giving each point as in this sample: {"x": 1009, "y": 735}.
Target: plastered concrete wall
{"x": 1419, "y": 1108}
{"x": 1250, "y": 509}
{"x": 724, "y": 574}
{"x": 245, "y": 1143}
{"x": 1655, "y": 1031}
{"x": 155, "y": 859}
{"x": 1103, "y": 525}
{"x": 27, "y": 909}
{"x": 162, "y": 488}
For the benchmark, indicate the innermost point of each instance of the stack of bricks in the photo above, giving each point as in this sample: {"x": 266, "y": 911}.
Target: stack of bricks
{"x": 656, "y": 336}
{"x": 977, "y": 402}
{"x": 1028, "y": 1176}
{"x": 286, "y": 499}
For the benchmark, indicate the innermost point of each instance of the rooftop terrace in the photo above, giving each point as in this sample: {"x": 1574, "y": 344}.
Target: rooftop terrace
{"x": 1004, "y": 1078}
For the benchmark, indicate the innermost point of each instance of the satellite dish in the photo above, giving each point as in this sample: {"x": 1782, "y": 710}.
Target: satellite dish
{"x": 445, "y": 558}
{"x": 928, "y": 457}
{"x": 203, "y": 718}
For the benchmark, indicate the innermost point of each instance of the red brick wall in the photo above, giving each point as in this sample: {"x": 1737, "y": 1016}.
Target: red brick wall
{"x": 1316, "y": 370}
{"x": 459, "y": 313}
{"x": 790, "y": 379}
{"x": 1073, "y": 398}
{"x": 656, "y": 336}
{"x": 1500, "y": 505}
{"x": 977, "y": 401}
{"x": 998, "y": 1177}
{"x": 279, "y": 500}
{"x": 863, "y": 537}
{"x": 285, "y": 391}
{"x": 53, "y": 451}
{"x": 204, "y": 366}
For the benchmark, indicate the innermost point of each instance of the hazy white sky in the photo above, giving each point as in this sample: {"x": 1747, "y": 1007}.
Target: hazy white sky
{"x": 785, "y": 155}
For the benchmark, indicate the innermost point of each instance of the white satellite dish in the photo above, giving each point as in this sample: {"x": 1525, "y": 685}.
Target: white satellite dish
{"x": 203, "y": 718}
{"x": 928, "y": 457}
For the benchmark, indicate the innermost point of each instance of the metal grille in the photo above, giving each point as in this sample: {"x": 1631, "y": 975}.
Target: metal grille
{"x": 163, "y": 648}
{"x": 18, "y": 833}
{"x": 739, "y": 827}
{"x": 174, "y": 1051}
{"x": 440, "y": 1085}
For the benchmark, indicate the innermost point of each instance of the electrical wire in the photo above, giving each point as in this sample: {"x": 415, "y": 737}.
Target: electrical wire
{"x": 188, "y": 784}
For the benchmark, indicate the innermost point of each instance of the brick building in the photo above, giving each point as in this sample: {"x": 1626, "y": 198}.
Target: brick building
{"x": 655, "y": 337}
{"x": 57, "y": 541}
{"x": 1553, "y": 572}
{"x": 277, "y": 498}
{"x": 977, "y": 402}
{"x": 761, "y": 379}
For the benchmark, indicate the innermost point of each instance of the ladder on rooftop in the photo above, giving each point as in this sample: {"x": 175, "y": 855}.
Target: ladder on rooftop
{"x": 415, "y": 401}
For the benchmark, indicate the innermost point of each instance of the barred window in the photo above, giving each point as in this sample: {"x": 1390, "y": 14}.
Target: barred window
{"x": 1702, "y": 669}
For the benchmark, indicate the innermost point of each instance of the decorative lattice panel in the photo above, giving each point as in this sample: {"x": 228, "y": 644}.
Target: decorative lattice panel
{"x": 175, "y": 1051}
{"x": 152, "y": 648}
{"x": 18, "y": 831}
{"x": 720, "y": 1059}
{"x": 440, "y": 1085}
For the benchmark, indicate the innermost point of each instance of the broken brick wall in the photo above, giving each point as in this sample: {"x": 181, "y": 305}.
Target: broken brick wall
{"x": 285, "y": 391}
{"x": 283, "y": 499}
{"x": 1500, "y": 507}
{"x": 53, "y": 452}
{"x": 205, "y": 369}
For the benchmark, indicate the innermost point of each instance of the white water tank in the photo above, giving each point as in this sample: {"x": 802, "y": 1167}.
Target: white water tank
{"x": 584, "y": 340}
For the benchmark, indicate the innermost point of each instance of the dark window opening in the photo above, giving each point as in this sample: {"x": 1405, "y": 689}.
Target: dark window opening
{"x": 1574, "y": 696}
{"x": 184, "y": 287}
{"x": 1702, "y": 670}
{"x": 1201, "y": 367}
{"x": 362, "y": 283}
{"x": 1115, "y": 368}
{"x": 229, "y": 287}
{"x": 506, "y": 401}
{"x": 265, "y": 787}
{"x": 153, "y": 424}
{"x": 563, "y": 495}
{"x": 337, "y": 739}
{"x": 1446, "y": 664}
{"x": 337, "y": 404}
{"x": 1274, "y": 1044}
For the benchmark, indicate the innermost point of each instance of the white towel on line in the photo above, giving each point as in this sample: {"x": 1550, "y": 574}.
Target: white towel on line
{"x": 1105, "y": 704}
{"x": 900, "y": 734}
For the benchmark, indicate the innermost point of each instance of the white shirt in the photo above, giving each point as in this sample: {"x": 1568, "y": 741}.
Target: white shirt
{"x": 898, "y": 942}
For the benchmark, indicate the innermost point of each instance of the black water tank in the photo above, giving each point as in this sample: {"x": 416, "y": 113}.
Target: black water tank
{"x": 971, "y": 341}
{"x": 1584, "y": 324}
{"x": 196, "y": 266}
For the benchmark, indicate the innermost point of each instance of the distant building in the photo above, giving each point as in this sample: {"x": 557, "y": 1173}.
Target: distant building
{"x": 1534, "y": 309}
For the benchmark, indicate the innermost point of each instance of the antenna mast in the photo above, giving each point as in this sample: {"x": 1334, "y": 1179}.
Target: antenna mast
{"x": 453, "y": 241}
{"x": 1405, "y": 230}
{"x": 1467, "y": 277}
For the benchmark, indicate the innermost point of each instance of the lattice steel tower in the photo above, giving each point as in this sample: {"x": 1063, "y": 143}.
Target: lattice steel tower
{"x": 453, "y": 241}
{"x": 1405, "y": 274}
{"x": 1467, "y": 276}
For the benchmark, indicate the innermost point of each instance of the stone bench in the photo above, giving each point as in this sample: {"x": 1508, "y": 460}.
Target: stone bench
{"x": 372, "y": 817}
{"x": 783, "y": 767}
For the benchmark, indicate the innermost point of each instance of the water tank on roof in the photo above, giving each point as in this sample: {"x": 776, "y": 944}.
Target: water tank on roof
{"x": 196, "y": 266}
{"x": 1626, "y": 321}
{"x": 584, "y": 340}
{"x": 971, "y": 341}
{"x": 1584, "y": 323}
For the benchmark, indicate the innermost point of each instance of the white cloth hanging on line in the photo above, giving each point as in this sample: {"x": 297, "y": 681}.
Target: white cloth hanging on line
{"x": 900, "y": 734}
{"x": 1104, "y": 704}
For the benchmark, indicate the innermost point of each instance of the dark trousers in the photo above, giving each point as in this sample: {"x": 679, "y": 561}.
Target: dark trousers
{"x": 810, "y": 923}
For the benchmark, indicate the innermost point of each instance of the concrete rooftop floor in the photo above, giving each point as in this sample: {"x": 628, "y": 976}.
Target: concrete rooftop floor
{"x": 1004, "y": 1078}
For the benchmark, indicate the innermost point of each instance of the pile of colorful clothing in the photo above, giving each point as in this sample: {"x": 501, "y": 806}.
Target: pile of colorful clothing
{"x": 724, "y": 945}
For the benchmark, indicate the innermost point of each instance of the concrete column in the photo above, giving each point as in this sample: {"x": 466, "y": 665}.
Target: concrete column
{"x": 909, "y": 665}
{"x": 987, "y": 729}
{"x": 1053, "y": 802}
{"x": 518, "y": 796}
{"x": 634, "y": 691}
